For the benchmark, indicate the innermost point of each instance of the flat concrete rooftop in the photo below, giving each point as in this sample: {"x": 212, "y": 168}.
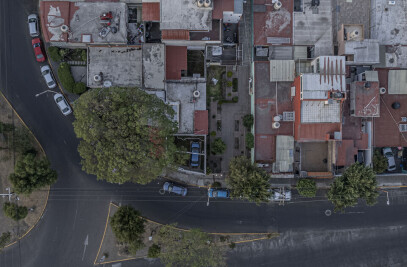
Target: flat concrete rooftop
{"x": 185, "y": 15}
{"x": 153, "y": 66}
{"x": 182, "y": 92}
{"x": 121, "y": 65}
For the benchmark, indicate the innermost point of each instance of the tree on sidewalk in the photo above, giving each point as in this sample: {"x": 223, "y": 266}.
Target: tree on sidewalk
{"x": 14, "y": 211}
{"x": 126, "y": 134}
{"x": 248, "y": 181}
{"x": 31, "y": 173}
{"x": 128, "y": 227}
{"x": 307, "y": 187}
{"x": 188, "y": 248}
{"x": 379, "y": 162}
{"x": 357, "y": 182}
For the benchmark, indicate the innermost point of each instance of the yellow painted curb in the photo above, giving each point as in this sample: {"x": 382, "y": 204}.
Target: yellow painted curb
{"x": 103, "y": 237}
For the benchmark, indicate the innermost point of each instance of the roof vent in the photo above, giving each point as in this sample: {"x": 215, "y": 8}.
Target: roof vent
{"x": 200, "y": 3}
{"x": 207, "y": 3}
{"x": 64, "y": 28}
{"x": 196, "y": 94}
{"x": 395, "y": 105}
{"x": 278, "y": 5}
{"x": 382, "y": 90}
{"x": 275, "y": 125}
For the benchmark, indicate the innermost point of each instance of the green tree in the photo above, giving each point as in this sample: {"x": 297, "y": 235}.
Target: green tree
{"x": 248, "y": 121}
{"x": 181, "y": 157}
{"x": 22, "y": 141}
{"x": 128, "y": 227}
{"x": 249, "y": 140}
{"x": 126, "y": 134}
{"x": 65, "y": 76}
{"x": 53, "y": 52}
{"x": 154, "y": 251}
{"x": 248, "y": 181}
{"x": 188, "y": 248}
{"x": 357, "y": 182}
{"x": 379, "y": 162}
{"x": 31, "y": 173}
{"x": 14, "y": 211}
{"x": 79, "y": 88}
{"x": 307, "y": 187}
{"x": 218, "y": 146}
{"x": 4, "y": 239}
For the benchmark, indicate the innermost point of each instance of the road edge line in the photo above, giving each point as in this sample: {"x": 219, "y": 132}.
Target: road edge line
{"x": 104, "y": 233}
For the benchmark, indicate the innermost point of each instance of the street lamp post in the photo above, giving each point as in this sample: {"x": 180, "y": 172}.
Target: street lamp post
{"x": 46, "y": 91}
{"x": 207, "y": 203}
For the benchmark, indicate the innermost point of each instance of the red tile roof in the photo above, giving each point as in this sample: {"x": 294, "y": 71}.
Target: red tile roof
{"x": 222, "y": 5}
{"x": 175, "y": 34}
{"x": 201, "y": 122}
{"x": 151, "y": 12}
{"x": 367, "y": 101}
{"x": 53, "y": 21}
{"x": 175, "y": 61}
{"x": 265, "y": 148}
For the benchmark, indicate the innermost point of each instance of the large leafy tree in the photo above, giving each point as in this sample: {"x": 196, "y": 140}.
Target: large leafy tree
{"x": 128, "y": 227}
{"x": 357, "y": 182}
{"x": 15, "y": 211}
{"x": 188, "y": 248}
{"x": 31, "y": 173}
{"x": 307, "y": 187}
{"x": 248, "y": 181}
{"x": 126, "y": 134}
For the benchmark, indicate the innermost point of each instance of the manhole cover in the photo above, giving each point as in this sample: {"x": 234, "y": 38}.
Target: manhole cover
{"x": 161, "y": 191}
{"x": 328, "y": 212}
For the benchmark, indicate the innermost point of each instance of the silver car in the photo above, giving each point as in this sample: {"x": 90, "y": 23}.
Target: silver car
{"x": 62, "y": 104}
{"x": 48, "y": 77}
{"x": 33, "y": 25}
{"x": 388, "y": 153}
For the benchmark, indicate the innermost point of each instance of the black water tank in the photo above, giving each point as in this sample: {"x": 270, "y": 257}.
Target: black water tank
{"x": 395, "y": 105}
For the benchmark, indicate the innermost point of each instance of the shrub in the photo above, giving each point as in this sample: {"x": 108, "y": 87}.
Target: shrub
{"x": 213, "y": 133}
{"x": 229, "y": 84}
{"x": 154, "y": 251}
{"x": 63, "y": 52}
{"x": 218, "y": 146}
{"x": 84, "y": 55}
{"x": 235, "y": 84}
{"x": 235, "y": 99}
{"x": 14, "y": 211}
{"x": 248, "y": 121}
{"x": 65, "y": 76}
{"x": 53, "y": 52}
{"x": 232, "y": 245}
{"x": 307, "y": 187}
{"x": 22, "y": 141}
{"x": 6, "y": 127}
{"x": 229, "y": 74}
{"x": 249, "y": 140}
{"x": 379, "y": 162}
{"x": 80, "y": 88}
{"x": 4, "y": 239}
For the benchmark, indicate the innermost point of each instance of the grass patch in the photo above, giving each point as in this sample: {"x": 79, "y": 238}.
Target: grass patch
{"x": 215, "y": 91}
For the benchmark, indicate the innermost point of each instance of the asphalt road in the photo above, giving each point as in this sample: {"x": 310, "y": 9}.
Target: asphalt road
{"x": 78, "y": 203}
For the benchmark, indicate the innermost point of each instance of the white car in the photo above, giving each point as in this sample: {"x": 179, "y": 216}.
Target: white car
{"x": 48, "y": 77}
{"x": 62, "y": 104}
{"x": 388, "y": 153}
{"x": 33, "y": 25}
{"x": 279, "y": 195}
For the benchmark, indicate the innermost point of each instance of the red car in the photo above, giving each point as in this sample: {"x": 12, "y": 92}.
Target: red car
{"x": 39, "y": 55}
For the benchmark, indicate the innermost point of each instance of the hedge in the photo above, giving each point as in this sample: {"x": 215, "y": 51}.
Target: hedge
{"x": 65, "y": 76}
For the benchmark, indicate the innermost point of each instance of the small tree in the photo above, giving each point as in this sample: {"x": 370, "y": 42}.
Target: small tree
{"x": 307, "y": 187}
{"x": 248, "y": 181}
{"x": 358, "y": 181}
{"x": 181, "y": 157}
{"x": 248, "y": 121}
{"x": 379, "y": 162}
{"x": 22, "y": 141}
{"x": 53, "y": 52}
{"x": 31, "y": 173}
{"x": 4, "y": 239}
{"x": 79, "y": 88}
{"x": 249, "y": 140}
{"x": 128, "y": 227}
{"x": 188, "y": 248}
{"x": 14, "y": 211}
{"x": 218, "y": 146}
{"x": 154, "y": 251}
{"x": 65, "y": 76}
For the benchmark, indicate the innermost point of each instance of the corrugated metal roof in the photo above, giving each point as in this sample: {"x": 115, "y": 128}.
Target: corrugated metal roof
{"x": 284, "y": 153}
{"x": 371, "y": 76}
{"x": 397, "y": 82}
{"x": 282, "y": 70}
{"x": 201, "y": 122}
{"x": 175, "y": 34}
{"x": 151, "y": 12}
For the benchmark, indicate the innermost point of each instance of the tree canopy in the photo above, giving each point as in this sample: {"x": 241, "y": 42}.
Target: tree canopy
{"x": 127, "y": 134}
{"x": 128, "y": 227}
{"x": 15, "y": 211}
{"x": 31, "y": 173}
{"x": 380, "y": 163}
{"x": 357, "y": 182}
{"x": 218, "y": 146}
{"x": 307, "y": 187}
{"x": 248, "y": 181}
{"x": 188, "y": 248}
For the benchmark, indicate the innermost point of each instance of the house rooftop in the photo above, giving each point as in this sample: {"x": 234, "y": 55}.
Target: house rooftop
{"x": 175, "y": 61}
{"x": 182, "y": 93}
{"x": 219, "y": 6}
{"x": 397, "y": 84}
{"x": 318, "y": 86}
{"x": 282, "y": 70}
{"x": 364, "y": 52}
{"x": 320, "y": 111}
{"x": 365, "y": 101}
{"x": 153, "y": 66}
{"x": 185, "y": 15}
{"x": 121, "y": 65}
{"x": 151, "y": 11}
{"x": 201, "y": 125}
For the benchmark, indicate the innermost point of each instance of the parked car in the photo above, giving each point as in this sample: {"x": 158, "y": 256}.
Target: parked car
{"x": 39, "y": 55}
{"x": 195, "y": 150}
{"x": 388, "y": 153}
{"x": 62, "y": 104}
{"x": 33, "y": 25}
{"x": 278, "y": 195}
{"x": 176, "y": 189}
{"x": 218, "y": 193}
{"x": 48, "y": 77}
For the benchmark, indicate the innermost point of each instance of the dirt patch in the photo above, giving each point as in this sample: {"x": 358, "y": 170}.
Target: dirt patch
{"x": 37, "y": 200}
{"x": 110, "y": 251}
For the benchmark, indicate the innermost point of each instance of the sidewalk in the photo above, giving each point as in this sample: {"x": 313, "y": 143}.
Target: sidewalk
{"x": 194, "y": 179}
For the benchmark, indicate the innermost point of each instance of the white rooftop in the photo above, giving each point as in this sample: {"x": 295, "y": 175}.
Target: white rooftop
{"x": 282, "y": 70}
{"x": 397, "y": 82}
{"x": 284, "y": 154}
{"x": 365, "y": 52}
{"x": 185, "y": 15}
{"x": 318, "y": 86}
{"x": 320, "y": 111}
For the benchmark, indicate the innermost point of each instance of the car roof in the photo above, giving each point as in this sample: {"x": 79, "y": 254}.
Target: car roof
{"x": 32, "y": 16}
{"x": 45, "y": 67}
{"x": 219, "y": 192}
{"x": 195, "y": 144}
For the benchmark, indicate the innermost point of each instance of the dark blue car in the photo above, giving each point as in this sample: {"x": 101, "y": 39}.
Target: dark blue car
{"x": 195, "y": 150}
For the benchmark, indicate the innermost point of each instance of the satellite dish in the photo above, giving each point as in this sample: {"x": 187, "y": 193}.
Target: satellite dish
{"x": 382, "y": 90}
{"x": 200, "y": 3}
{"x": 275, "y": 125}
